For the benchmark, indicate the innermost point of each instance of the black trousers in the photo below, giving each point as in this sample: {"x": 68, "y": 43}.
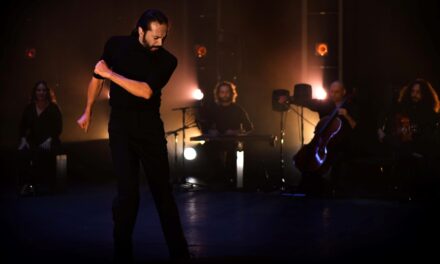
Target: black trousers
{"x": 138, "y": 138}
{"x": 221, "y": 161}
{"x": 37, "y": 167}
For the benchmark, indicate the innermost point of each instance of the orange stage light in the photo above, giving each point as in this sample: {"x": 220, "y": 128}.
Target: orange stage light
{"x": 200, "y": 51}
{"x": 31, "y": 53}
{"x": 321, "y": 49}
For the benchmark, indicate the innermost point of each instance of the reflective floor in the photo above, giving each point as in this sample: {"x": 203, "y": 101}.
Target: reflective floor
{"x": 221, "y": 226}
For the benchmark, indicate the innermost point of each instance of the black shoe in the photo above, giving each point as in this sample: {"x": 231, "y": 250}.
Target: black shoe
{"x": 123, "y": 258}
{"x": 182, "y": 256}
{"x": 123, "y": 253}
{"x": 28, "y": 190}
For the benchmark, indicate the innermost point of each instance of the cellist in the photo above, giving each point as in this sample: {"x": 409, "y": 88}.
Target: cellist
{"x": 314, "y": 184}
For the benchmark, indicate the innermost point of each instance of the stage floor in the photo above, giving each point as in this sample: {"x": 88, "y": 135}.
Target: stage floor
{"x": 221, "y": 226}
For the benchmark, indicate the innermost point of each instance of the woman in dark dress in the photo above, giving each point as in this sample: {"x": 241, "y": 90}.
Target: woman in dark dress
{"x": 40, "y": 129}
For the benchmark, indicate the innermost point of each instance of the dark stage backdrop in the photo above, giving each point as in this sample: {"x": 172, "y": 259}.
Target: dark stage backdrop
{"x": 386, "y": 44}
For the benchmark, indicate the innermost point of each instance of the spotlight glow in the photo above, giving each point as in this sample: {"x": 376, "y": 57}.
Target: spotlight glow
{"x": 190, "y": 154}
{"x": 320, "y": 93}
{"x": 191, "y": 180}
{"x": 31, "y": 53}
{"x": 197, "y": 94}
{"x": 200, "y": 51}
{"x": 240, "y": 167}
{"x": 321, "y": 49}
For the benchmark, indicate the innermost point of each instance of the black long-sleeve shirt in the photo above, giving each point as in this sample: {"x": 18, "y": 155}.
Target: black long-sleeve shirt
{"x": 126, "y": 56}
{"x": 326, "y": 108}
{"x": 36, "y": 129}
{"x": 223, "y": 118}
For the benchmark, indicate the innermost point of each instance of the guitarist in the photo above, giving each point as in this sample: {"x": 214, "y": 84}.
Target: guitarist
{"x": 409, "y": 132}
{"x": 314, "y": 184}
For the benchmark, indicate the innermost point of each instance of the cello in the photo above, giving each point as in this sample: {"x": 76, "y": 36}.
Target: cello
{"x": 316, "y": 156}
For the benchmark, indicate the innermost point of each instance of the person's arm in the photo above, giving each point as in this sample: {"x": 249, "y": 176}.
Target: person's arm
{"x": 56, "y": 127}
{"x": 57, "y": 122}
{"x": 23, "y": 130}
{"x": 313, "y": 104}
{"x": 136, "y": 88}
{"x": 382, "y": 125}
{"x": 247, "y": 125}
{"x": 46, "y": 145}
{"x": 94, "y": 89}
{"x": 343, "y": 112}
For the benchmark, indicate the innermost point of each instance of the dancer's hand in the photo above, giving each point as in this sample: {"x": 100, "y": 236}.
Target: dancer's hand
{"x": 102, "y": 69}
{"x": 23, "y": 144}
{"x": 84, "y": 121}
{"x": 46, "y": 145}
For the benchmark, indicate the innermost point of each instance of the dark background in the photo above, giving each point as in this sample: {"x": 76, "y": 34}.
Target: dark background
{"x": 257, "y": 44}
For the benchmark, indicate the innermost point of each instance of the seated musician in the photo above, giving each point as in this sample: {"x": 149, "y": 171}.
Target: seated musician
{"x": 410, "y": 131}
{"x": 224, "y": 118}
{"x": 315, "y": 184}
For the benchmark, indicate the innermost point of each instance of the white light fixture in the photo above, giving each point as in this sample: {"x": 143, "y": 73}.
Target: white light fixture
{"x": 320, "y": 93}
{"x": 191, "y": 180}
{"x": 197, "y": 94}
{"x": 190, "y": 154}
{"x": 240, "y": 167}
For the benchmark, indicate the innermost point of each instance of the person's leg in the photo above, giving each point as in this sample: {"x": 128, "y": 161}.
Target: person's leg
{"x": 126, "y": 203}
{"x": 309, "y": 183}
{"x": 154, "y": 159}
{"x": 52, "y": 169}
{"x": 45, "y": 170}
{"x": 24, "y": 171}
{"x": 339, "y": 175}
{"x": 403, "y": 171}
{"x": 37, "y": 167}
{"x": 214, "y": 162}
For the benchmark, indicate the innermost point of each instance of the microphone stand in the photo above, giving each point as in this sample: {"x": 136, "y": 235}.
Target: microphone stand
{"x": 183, "y": 128}
{"x": 282, "y": 134}
{"x": 183, "y": 179}
{"x": 175, "y": 133}
{"x": 300, "y": 114}
{"x": 282, "y": 164}
{"x": 302, "y": 125}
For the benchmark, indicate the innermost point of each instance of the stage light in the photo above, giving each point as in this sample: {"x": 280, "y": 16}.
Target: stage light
{"x": 200, "y": 51}
{"x": 31, "y": 53}
{"x": 191, "y": 180}
{"x": 190, "y": 154}
{"x": 280, "y": 100}
{"x": 240, "y": 167}
{"x": 302, "y": 92}
{"x": 320, "y": 93}
{"x": 321, "y": 49}
{"x": 197, "y": 94}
